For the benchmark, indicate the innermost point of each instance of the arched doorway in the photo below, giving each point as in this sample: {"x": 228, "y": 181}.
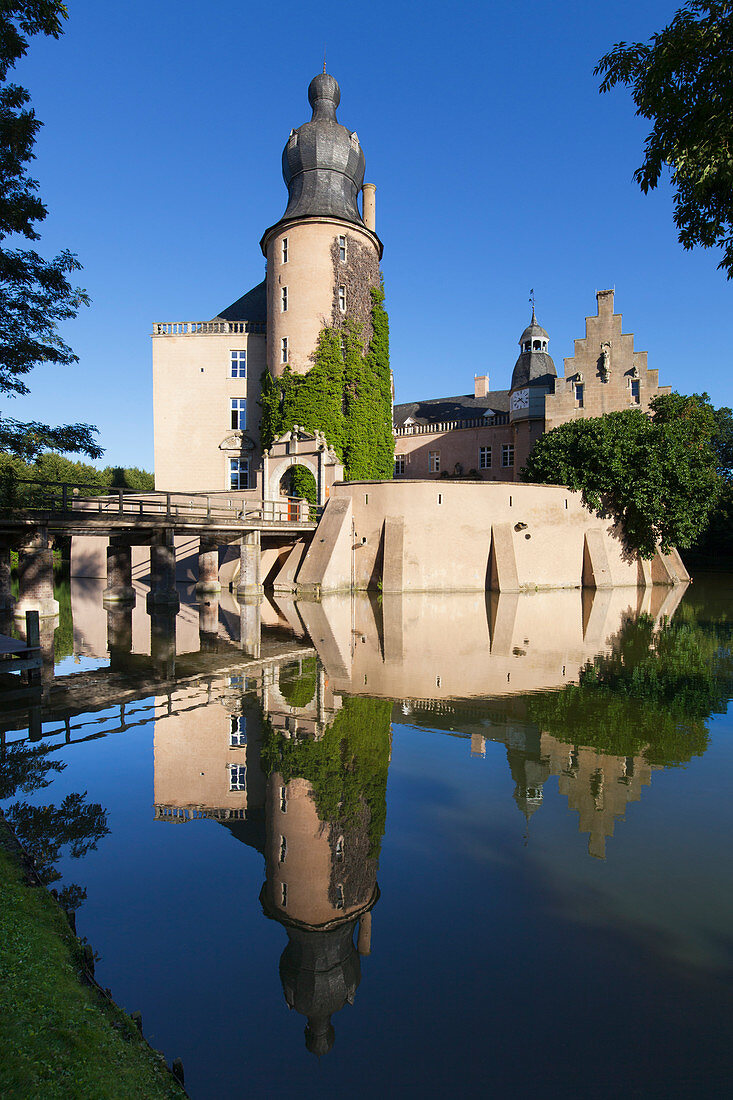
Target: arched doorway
{"x": 300, "y": 448}
{"x": 297, "y": 484}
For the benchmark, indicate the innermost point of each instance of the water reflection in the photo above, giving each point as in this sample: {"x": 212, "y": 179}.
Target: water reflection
{"x": 274, "y": 722}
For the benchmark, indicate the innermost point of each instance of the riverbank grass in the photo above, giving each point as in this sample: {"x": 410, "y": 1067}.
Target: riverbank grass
{"x": 59, "y": 1037}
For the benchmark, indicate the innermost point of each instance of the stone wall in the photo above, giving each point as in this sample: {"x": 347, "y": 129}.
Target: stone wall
{"x": 451, "y": 536}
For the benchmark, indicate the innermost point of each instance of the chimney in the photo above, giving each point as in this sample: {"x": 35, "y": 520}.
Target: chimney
{"x": 604, "y": 298}
{"x": 369, "y": 206}
{"x": 480, "y": 385}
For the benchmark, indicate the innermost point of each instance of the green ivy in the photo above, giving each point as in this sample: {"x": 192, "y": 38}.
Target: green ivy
{"x": 347, "y": 767}
{"x": 347, "y": 395}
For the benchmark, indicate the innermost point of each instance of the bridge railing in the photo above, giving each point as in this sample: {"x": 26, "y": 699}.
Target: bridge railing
{"x": 26, "y": 495}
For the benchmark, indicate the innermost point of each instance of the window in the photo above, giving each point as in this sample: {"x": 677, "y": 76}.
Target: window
{"x": 283, "y": 848}
{"x": 579, "y": 393}
{"x": 239, "y": 364}
{"x": 284, "y": 298}
{"x": 284, "y": 350}
{"x": 237, "y": 730}
{"x": 284, "y": 895}
{"x": 239, "y": 473}
{"x": 239, "y": 413}
{"x": 340, "y": 849}
{"x": 344, "y": 347}
{"x": 342, "y": 249}
{"x": 285, "y": 249}
{"x": 434, "y": 462}
{"x": 399, "y": 465}
{"x": 342, "y": 299}
{"x": 635, "y": 391}
{"x": 507, "y": 455}
{"x": 339, "y": 896}
{"x": 283, "y": 801}
{"x": 484, "y": 458}
{"x": 237, "y": 777}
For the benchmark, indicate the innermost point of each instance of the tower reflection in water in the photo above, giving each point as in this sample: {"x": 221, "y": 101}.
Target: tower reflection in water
{"x": 300, "y": 775}
{"x": 294, "y": 760}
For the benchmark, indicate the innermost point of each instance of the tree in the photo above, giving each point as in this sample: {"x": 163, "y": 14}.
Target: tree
{"x": 657, "y": 475}
{"x": 683, "y": 80}
{"x": 35, "y": 293}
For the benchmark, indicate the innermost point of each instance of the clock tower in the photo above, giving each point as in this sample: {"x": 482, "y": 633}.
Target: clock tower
{"x": 533, "y": 377}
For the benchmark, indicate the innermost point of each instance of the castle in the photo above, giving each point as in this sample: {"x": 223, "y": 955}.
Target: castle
{"x": 322, "y": 276}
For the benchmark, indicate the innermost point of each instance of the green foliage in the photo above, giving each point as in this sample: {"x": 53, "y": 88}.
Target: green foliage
{"x": 347, "y": 395}
{"x": 657, "y": 476}
{"x": 651, "y": 696}
{"x": 58, "y": 1036}
{"x": 63, "y": 638}
{"x": 53, "y": 467}
{"x": 683, "y": 81}
{"x": 300, "y": 691}
{"x": 35, "y": 293}
{"x": 347, "y": 767}
{"x": 45, "y": 830}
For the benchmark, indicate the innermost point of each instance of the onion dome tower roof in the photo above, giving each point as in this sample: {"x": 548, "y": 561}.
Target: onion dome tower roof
{"x": 534, "y": 364}
{"x": 323, "y": 162}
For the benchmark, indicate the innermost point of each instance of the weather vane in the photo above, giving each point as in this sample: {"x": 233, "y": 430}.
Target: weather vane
{"x": 324, "y": 58}
{"x": 531, "y": 298}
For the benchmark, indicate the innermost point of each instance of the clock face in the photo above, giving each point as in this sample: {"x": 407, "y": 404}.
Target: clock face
{"x": 520, "y": 400}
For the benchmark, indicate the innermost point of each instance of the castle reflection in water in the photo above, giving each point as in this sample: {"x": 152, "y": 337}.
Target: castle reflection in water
{"x": 275, "y": 719}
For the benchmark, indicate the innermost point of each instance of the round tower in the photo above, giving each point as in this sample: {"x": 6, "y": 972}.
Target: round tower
{"x": 533, "y": 376}
{"x": 322, "y": 256}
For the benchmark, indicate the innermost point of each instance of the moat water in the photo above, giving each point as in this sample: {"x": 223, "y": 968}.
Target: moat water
{"x": 407, "y": 846}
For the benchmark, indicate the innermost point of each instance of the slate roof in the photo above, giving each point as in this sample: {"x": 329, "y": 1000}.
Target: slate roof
{"x": 323, "y": 162}
{"x": 463, "y": 407}
{"x": 533, "y": 367}
{"x": 252, "y": 306}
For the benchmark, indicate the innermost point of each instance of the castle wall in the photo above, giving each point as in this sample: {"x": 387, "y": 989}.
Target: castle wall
{"x": 192, "y": 393}
{"x": 464, "y": 536}
{"x": 312, "y": 274}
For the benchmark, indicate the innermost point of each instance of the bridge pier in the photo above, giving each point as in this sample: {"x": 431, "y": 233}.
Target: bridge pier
{"x": 119, "y": 571}
{"x": 208, "y": 567}
{"x": 119, "y": 633}
{"x": 209, "y": 624}
{"x": 249, "y": 585}
{"x": 250, "y": 628}
{"x": 35, "y": 576}
{"x": 6, "y": 589}
{"x": 163, "y": 595}
{"x": 163, "y": 641}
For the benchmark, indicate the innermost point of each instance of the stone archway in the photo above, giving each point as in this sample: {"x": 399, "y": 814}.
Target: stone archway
{"x": 300, "y": 447}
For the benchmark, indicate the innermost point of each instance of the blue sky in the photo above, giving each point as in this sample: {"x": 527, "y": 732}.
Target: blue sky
{"x": 498, "y": 166}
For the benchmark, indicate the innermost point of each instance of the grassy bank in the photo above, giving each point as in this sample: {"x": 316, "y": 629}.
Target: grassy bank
{"x": 59, "y": 1036}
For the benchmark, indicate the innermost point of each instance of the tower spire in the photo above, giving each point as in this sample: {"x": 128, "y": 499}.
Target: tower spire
{"x": 531, "y": 298}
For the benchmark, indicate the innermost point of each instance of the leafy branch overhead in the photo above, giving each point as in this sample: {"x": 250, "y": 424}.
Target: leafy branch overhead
{"x": 36, "y": 294}
{"x": 682, "y": 80}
